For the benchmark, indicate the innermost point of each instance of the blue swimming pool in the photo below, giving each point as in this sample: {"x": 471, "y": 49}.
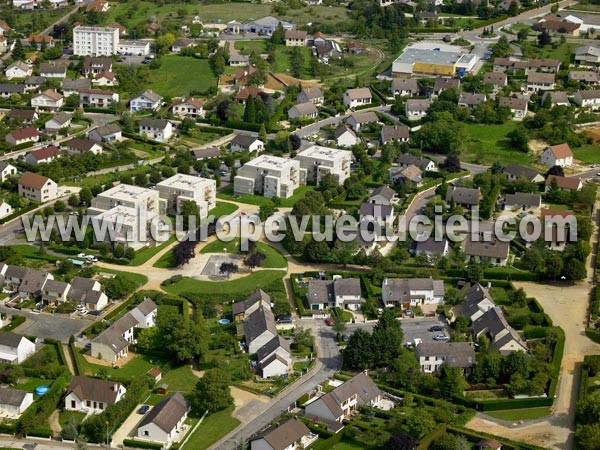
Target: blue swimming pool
{"x": 224, "y": 321}
{"x": 41, "y": 390}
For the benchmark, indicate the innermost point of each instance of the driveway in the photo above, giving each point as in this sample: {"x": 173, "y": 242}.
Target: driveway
{"x": 47, "y": 325}
{"x": 418, "y": 328}
{"x": 127, "y": 430}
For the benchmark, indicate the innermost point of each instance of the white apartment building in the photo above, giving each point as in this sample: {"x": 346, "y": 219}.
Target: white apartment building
{"x": 181, "y": 187}
{"x": 268, "y": 175}
{"x": 95, "y": 41}
{"x": 317, "y": 161}
{"x": 142, "y": 199}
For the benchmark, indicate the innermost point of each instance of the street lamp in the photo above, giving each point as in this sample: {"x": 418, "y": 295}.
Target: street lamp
{"x": 107, "y": 443}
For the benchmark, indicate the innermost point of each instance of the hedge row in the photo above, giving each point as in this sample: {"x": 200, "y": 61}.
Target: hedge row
{"x": 593, "y": 334}
{"x": 373, "y": 104}
{"x": 432, "y": 437}
{"x": 283, "y": 106}
{"x": 557, "y": 356}
{"x": 18, "y": 213}
{"x": 508, "y": 444}
{"x": 77, "y": 367}
{"x": 499, "y": 405}
{"x": 298, "y": 298}
{"x": 14, "y": 323}
{"x": 217, "y": 130}
{"x": 59, "y": 350}
{"x": 141, "y": 444}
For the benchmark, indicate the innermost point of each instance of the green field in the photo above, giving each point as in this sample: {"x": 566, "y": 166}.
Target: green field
{"x": 65, "y": 417}
{"x": 213, "y": 428}
{"x": 282, "y": 56}
{"x": 137, "y": 278}
{"x": 589, "y": 153}
{"x": 180, "y": 75}
{"x": 259, "y": 200}
{"x": 223, "y": 209}
{"x": 30, "y": 383}
{"x": 487, "y": 144}
{"x": 520, "y": 414}
{"x": 145, "y": 254}
{"x": 135, "y": 368}
{"x": 273, "y": 259}
{"x": 234, "y": 287}
{"x": 181, "y": 379}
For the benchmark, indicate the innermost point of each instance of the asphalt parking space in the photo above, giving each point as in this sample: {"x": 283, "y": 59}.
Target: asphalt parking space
{"x": 419, "y": 328}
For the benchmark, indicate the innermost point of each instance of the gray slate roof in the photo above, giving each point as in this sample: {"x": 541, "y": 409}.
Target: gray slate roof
{"x": 455, "y": 354}
{"x": 463, "y": 195}
{"x": 167, "y": 412}
{"x": 520, "y": 199}
{"x": 12, "y": 397}
{"x": 259, "y": 321}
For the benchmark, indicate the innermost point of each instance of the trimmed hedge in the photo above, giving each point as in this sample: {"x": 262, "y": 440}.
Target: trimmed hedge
{"x": 141, "y": 444}
{"x": 18, "y": 213}
{"x": 14, "y": 323}
{"x": 557, "y": 356}
{"x": 59, "y": 350}
{"x": 508, "y": 444}
{"x": 593, "y": 334}
{"x": 77, "y": 367}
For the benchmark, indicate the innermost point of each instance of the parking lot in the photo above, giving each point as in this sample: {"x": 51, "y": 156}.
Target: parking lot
{"x": 419, "y": 328}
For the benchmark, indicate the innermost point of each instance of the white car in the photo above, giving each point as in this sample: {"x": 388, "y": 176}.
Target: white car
{"x": 81, "y": 255}
{"x": 80, "y": 307}
{"x": 83, "y": 312}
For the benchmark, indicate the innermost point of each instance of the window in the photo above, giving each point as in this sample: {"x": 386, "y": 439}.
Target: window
{"x": 73, "y": 404}
{"x": 88, "y": 403}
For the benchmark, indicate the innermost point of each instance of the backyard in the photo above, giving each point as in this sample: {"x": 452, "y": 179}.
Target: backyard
{"x": 487, "y": 144}
{"x": 173, "y": 78}
{"x": 213, "y": 428}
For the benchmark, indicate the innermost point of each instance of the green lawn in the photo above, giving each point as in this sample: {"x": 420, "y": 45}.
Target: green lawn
{"x": 139, "y": 279}
{"x": 346, "y": 446}
{"x": 33, "y": 252}
{"x": 520, "y": 414}
{"x": 273, "y": 259}
{"x": 180, "y": 75}
{"x": 259, "y": 200}
{"x": 166, "y": 261}
{"x": 588, "y": 153}
{"x": 30, "y": 383}
{"x": 201, "y": 138}
{"x": 223, "y": 209}
{"x": 487, "y": 144}
{"x": 65, "y": 417}
{"x": 145, "y": 254}
{"x": 247, "y": 47}
{"x": 213, "y": 428}
{"x": 282, "y": 61}
{"x": 181, "y": 379}
{"x": 236, "y": 287}
{"x": 135, "y": 368}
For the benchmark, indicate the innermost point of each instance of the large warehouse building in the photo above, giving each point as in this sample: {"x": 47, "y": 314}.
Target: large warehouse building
{"x": 432, "y": 58}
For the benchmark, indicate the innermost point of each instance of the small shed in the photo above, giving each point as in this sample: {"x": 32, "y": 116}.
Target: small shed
{"x": 162, "y": 389}
{"x": 156, "y": 374}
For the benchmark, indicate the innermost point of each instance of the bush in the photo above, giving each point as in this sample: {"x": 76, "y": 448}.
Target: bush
{"x": 14, "y": 323}
{"x": 141, "y": 444}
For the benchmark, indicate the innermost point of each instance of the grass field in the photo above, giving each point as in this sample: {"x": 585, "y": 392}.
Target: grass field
{"x": 33, "y": 252}
{"x": 233, "y": 287}
{"x": 30, "y": 383}
{"x": 487, "y": 144}
{"x": 520, "y": 414}
{"x": 180, "y": 75}
{"x": 135, "y": 368}
{"x": 273, "y": 259}
{"x": 181, "y": 379}
{"x": 145, "y": 254}
{"x": 259, "y": 200}
{"x": 282, "y": 58}
{"x": 589, "y": 153}
{"x": 223, "y": 209}
{"x": 213, "y": 428}
{"x": 65, "y": 417}
{"x": 135, "y": 277}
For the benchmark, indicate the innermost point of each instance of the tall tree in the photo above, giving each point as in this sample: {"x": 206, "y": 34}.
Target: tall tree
{"x": 250, "y": 110}
{"x": 212, "y": 392}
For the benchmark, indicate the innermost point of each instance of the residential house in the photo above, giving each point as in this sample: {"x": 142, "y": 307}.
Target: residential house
{"x": 96, "y": 65}
{"x": 146, "y": 101}
{"x": 13, "y": 276}
{"x": 18, "y": 69}
{"x": 433, "y": 355}
{"x": 494, "y": 251}
{"x": 49, "y": 99}
{"x": 294, "y": 38}
{"x": 107, "y": 133}
{"x": 34, "y": 83}
{"x": 14, "y": 348}
{"x": 5, "y": 209}
{"x": 4, "y": 28}
{"x": 165, "y": 422}
{"x": 584, "y": 76}
{"x": 561, "y": 27}
{"x": 274, "y": 358}
{"x": 526, "y": 66}
{"x": 409, "y": 174}
{"x": 139, "y": 47}
{"x": 245, "y": 143}
{"x": 181, "y": 187}
{"x": 517, "y": 106}
{"x": 515, "y": 172}
{"x": 358, "y": 119}
{"x": 14, "y": 402}
{"x": 317, "y": 161}
{"x": 311, "y": 94}
{"x": 58, "y": 122}
{"x": 8, "y": 89}
{"x": 407, "y": 292}
{"x": 105, "y": 79}
{"x": 587, "y": 55}
{"x": 97, "y": 6}
{"x": 199, "y": 154}
{"x": 423, "y": 163}
{"x": 32, "y": 283}
{"x": 557, "y": 227}
{"x": 383, "y": 195}
{"x": 243, "y": 309}
{"x": 416, "y": 109}
{"x": 405, "y": 87}
{"x": 79, "y": 146}
{"x": 259, "y": 328}
{"x": 524, "y": 201}
{"x": 497, "y": 79}
{"x": 37, "y": 188}
{"x": 345, "y": 137}
{"x": 461, "y": 196}
{"x": 291, "y": 434}
{"x": 97, "y": 98}
{"x": 588, "y": 99}
{"x": 87, "y": 292}
{"x": 503, "y": 338}
{"x": 54, "y": 292}
{"x": 43, "y": 155}
{"x": 489, "y": 444}
{"x": 53, "y": 70}
{"x": 376, "y": 217}
{"x": 237, "y": 60}
{"x": 190, "y": 107}
{"x": 267, "y": 25}
{"x": 476, "y": 303}
{"x": 357, "y": 97}
{"x": 24, "y": 115}
{"x": 338, "y": 293}
{"x": 250, "y": 91}
{"x": 303, "y": 111}
{"x": 242, "y": 77}
{"x": 556, "y": 98}
{"x": 468, "y": 100}
{"x": 22, "y": 136}
{"x": 394, "y": 133}
{"x": 92, "y": 395}
{"x": 431, "y": 247}
{"x": 539, "y": 81}
{"x": 269, "y": 176}
{"x": 6, "y": 171}
{"x": 145, "y": 313}
{"x": 72, "y": 86}
{"x": 563, "y": 183}
{"x": 442, "y": 84}
{"x": 557, "y": 155}
{"x": 339, "y": 404}
{"x": 159, "y": 130}
{"x": 182, "y": 43}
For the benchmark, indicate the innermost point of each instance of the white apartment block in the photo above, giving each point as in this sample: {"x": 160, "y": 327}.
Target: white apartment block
{"x": 181, "y": 187}
{"x": 95, "y": 41}
{"x": 270, "y": 176}
{"x": 316, "y": 161}
{"x": 135, "y": 197}
{"x": 128, "y": 227}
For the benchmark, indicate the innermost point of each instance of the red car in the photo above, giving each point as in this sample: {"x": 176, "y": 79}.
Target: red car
{"x": 329, "y": 321}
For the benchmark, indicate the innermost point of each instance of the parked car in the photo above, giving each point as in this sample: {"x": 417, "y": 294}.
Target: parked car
{"x": 83, "y": 312}
{"x": 329, "y": 321}
{"x": 436, "y": 328}
{"x": 143, "y": 409}
{"x": 285, "y": 319}
{"x": 440, "y": 337}
{"x": 81, "y": 255}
